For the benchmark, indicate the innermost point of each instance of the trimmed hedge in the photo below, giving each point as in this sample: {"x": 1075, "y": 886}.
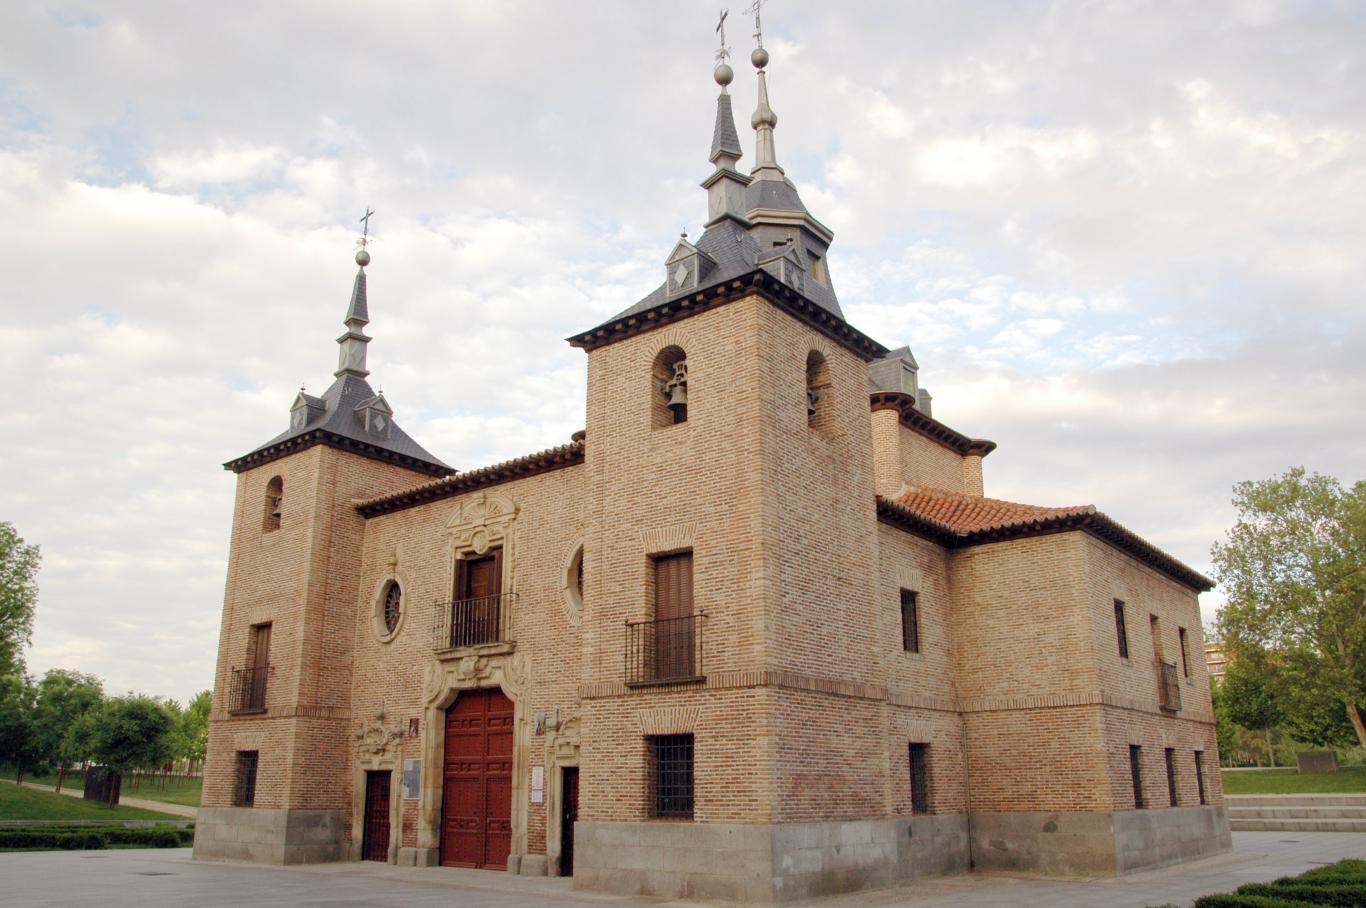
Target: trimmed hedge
{"x": 93, "y": 839}
{"x": 1343, "y": 896}
{"x": 1340, "y": 885}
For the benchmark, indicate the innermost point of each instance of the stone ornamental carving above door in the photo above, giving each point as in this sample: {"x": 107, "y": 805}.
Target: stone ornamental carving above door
{"x": 481, "y": 522}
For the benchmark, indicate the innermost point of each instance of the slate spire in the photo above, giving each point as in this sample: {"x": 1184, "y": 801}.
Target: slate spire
{"x": 351, "y": 359}
{"x": 726, "y": 185}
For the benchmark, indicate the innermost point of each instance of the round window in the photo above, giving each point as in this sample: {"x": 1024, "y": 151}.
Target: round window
{"x": 393, "y": 606}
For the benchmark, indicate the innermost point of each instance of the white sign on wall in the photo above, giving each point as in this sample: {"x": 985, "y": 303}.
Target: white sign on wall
{"x": 538, "y": 784}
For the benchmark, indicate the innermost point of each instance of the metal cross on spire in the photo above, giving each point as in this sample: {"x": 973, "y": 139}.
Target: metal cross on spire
{"x": 757, "y": 8}
{"x": 365, "y": 236}
{"x": 722, "y": 53}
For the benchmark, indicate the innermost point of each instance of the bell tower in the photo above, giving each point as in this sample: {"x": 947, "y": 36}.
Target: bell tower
{"x": 716, "y": 577}
{"x": 277, "y": 783}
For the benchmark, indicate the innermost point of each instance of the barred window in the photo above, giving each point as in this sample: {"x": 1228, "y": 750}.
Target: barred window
{"x": 1136, "y": 771}
{"x": 1200, "y": 774}
{"x": 1121, "y": 633}
{"x": 393, "y": 603}
{"x": 920, "y": 778}
{"x": 1170, "y": 754}
{"x": 910, "y": 621}
{"x": 244, "y": 788}
{"x": 671, "y": 776}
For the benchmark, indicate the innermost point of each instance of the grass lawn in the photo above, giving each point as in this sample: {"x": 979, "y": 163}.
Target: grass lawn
{"x": 1349, "y": 779}
{"x": 30, "y": 804}
{"x": 172, "y": 790}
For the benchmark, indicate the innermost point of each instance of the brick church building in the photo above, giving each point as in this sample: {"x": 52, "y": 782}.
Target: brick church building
{"x": 755, "y": 634}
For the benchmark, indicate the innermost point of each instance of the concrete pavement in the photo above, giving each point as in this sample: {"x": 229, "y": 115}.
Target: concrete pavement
{"x": 151, "y": 878}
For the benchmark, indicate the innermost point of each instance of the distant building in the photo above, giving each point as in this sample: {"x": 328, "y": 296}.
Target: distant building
{"x": 755, "y": 635}
{"x": 1215, "y": 660}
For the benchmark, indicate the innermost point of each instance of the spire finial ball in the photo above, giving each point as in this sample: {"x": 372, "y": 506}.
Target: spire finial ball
{"x": 723, "y": 74}
{"x": 759, "y": 58}
{"x": 362, "y": 258}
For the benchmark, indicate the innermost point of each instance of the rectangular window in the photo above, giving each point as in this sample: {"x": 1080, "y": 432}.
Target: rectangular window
{"x": 244, "y": 785}
{"x": 1185, "y": 660}
{"x": 675, "y": 629}
{"x": 1121, "y": 634}
{"x": 1170, "y": 754}
{"x": 910, "y": 621}
{"x": 1136, "y": 771}
{"x": 1200, "y": 774}
{"x": 671, "y": 776}
{"x": 920, "y": 778}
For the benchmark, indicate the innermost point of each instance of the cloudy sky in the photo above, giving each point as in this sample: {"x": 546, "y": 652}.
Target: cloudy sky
{"x": 1123, "y": 239}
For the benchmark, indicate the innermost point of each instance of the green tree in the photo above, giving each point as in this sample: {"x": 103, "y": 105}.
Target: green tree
{"x": 129, "y": 732}
{"x": 18, "y": 597}
{"x": 1225, "y": 731}
{"x": 1248, "y": 696}
{"x": 1294, "y": 571}
{"x": 18, "y": 747}
{"x": 194, "y": 728}
{"x": 63, "y": 697}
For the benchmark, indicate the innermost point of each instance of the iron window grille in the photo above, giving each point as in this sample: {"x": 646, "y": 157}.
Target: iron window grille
{"x": 1121, "y": 633}
{"x": 920, "y": 778}
{"x": 393, "y": 603}
{"x": 1168, "y": 688}
{"x": 244, "y": 784}
{"x": 471, "y": 622}
{"x": 1200, "y": 774}
{"x": 1170, "y": 755}
{"x": 671, "y": 776}
{"x": 910, "y": 621}
{"x": 248, "y": 691}
{"x": 664, "y": 650}
{"x": 1136, "y": 772}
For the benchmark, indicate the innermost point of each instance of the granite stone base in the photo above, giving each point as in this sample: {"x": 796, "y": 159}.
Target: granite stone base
{"x": 1097, "y": 844}
{"x": 765, "y": 863}
{"x": 266, "y": 836}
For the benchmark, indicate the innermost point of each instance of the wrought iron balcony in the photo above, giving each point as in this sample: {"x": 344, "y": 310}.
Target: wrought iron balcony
{"x": 471, "y": 622}
{"x": 663, "y": 651}
{"x": 1168, "y": 686}
{"x": 247, "y": 693}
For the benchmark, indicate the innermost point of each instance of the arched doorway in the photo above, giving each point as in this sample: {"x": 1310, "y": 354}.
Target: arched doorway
{"x": 476, "y": 797}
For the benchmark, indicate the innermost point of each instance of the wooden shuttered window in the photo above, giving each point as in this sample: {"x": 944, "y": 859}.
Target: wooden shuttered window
{"x": 674, "y": 629}
{"x": 910, "y": 621}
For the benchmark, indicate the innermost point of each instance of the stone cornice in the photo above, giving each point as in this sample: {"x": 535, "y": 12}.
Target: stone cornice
{"x": 755, "y": 283}
{"x": 307, "y": 440}
{"x": 519, "y": 468}
{"x": 927, "y": 426}
{"x": 1095, "y": 523}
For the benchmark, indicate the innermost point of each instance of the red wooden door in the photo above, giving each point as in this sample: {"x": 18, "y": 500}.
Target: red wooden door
{"x": 375, "y": 841}
{"x": 674, "y": 637}
{"x": 476, "y": 803}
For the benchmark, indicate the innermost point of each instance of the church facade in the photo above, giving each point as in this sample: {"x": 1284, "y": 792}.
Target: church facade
{"x": 755, "y": 634}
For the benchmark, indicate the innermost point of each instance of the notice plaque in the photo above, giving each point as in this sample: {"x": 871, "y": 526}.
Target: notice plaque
{"x": 412, "y": 779}
{"x": 537, "y": 784}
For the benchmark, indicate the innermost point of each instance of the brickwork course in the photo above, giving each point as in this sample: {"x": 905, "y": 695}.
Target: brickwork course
{"x": 815, "y": 493}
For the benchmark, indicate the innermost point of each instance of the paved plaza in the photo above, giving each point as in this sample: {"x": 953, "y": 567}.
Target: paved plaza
{"x": 149, "y": 878}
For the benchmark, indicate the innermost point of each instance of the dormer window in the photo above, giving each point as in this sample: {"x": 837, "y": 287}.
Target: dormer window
{"x": 670, "y": 381}
{"x": 275, "y": 500}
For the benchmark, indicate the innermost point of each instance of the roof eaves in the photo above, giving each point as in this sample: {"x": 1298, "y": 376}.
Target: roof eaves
{"x": 757, "y": 281}
{"x": 296, "y": 443}
{"x": 928, "y": 426}
{"x": 518, "y": 468}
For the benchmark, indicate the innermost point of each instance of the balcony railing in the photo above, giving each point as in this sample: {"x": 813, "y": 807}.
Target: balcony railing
{"x": 247, "y": 693}
{"x": 1168, "y": 686}
{"x": 471, "y": 622}
{"x": 666, "y": 650}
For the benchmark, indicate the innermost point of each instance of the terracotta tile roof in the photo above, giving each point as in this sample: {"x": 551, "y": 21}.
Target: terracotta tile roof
{"x": 961, "y": 513}
{"x": 957, "y": 520}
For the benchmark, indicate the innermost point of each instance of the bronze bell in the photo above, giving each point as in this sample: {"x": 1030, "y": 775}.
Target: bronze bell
{"x": 678, "y": 396}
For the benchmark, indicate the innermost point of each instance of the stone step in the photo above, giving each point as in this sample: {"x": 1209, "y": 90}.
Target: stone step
{"x": 1296, "y": 825}
{"x": 1297, "y": 800}
{"x": 1290, "y": 813}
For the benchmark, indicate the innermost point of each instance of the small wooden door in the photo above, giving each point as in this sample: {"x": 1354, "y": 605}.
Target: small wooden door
{"x": 375, "y": 841}
{"x": 569, "y": 814}
{"x": 260, "y": 664}
{"x": 674, "y": 637}
{"x": 476, "y": 802}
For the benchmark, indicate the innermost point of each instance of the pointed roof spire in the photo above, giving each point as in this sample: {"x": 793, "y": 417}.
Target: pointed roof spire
{"x": 726, "y": 185}
{"x": 351, "y": 359}
{"x": 764, "y": 119}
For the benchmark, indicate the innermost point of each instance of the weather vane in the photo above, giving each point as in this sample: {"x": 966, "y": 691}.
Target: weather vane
{"x": 756, "y": 8}
{"x": 365, "y": 236}
{"x": 722, "y": 53}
